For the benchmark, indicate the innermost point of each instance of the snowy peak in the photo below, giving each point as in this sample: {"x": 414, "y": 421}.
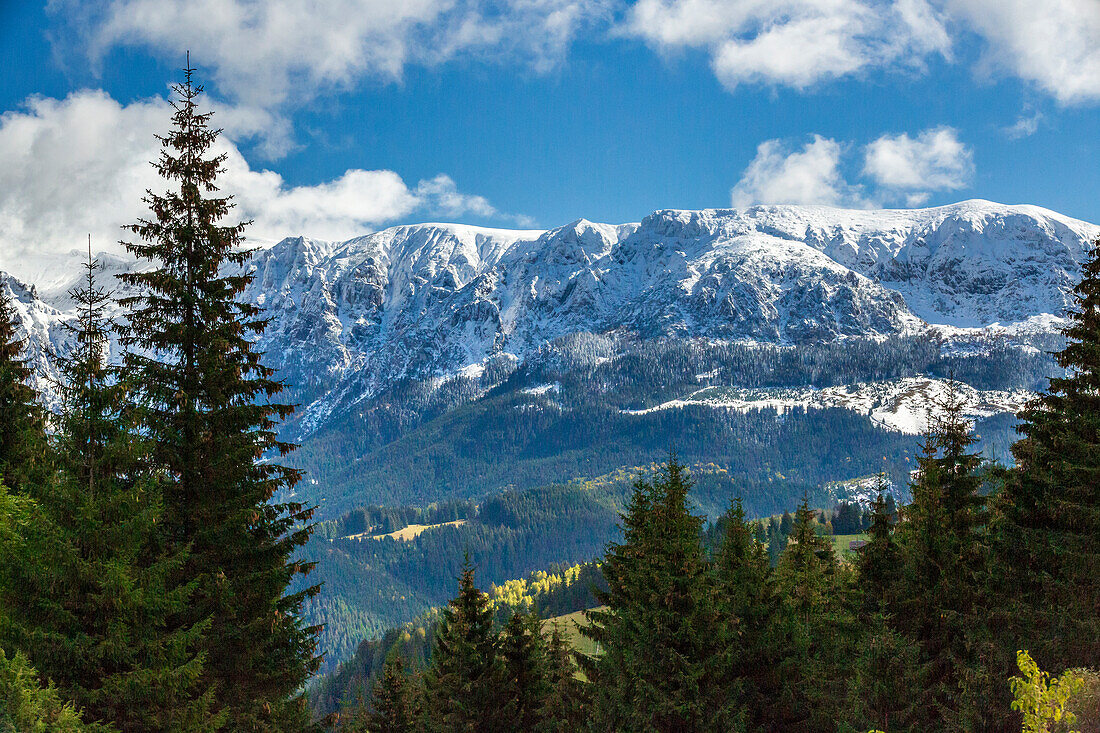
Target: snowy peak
{"x": 40, "y": 325}
{"x": 430, "y": 300}
{"x": 426, "y": 302}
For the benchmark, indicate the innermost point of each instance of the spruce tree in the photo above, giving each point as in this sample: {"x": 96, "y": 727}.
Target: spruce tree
{"x": 464, "y": 682}
{"x": 786, "y": 524}
{"x": 27, "y": 706}
{"x": 526, "y": 673}
{"x": 23, "y": 450}
{"x": 95, "y": 610}
{"x": 776, "y": 544}
{"x": 879, "y": 562}
{"x": 884, "y": 688}
{"x": 565, "y": 707}
{"x": 393, "y": 702}
{"x": 659, "y": 664}
{"x": 941, "y": 603}
{"x": 1047, "y": 524}
{"x": 885, "y": 671}
{"x": 747, "y": 604}
{"x": 815, "y": 639}
{"x": 206, "y": 399}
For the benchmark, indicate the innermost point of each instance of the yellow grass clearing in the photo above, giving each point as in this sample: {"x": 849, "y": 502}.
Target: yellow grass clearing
{"x": 568, "y": 625}
{"x": 407, "y": 533}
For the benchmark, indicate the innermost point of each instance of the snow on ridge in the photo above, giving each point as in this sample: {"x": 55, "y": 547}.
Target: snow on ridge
{"x": 864, "y": 490}
{"x": 900, "y": 405}
{"x": 542, "y": 389}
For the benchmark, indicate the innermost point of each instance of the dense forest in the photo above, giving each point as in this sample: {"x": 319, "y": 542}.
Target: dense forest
{"x": 159, "y": 563}
{"x": 374, "y": 582}
{"x": 932, "y": 625}
{"x": 471, "y": 437}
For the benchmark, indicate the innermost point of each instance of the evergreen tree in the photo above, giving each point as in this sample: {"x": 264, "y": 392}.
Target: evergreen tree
{"x": 941, "y": 604}
{"x": 847, "y": 519}
{"x": 27, "y": 707}
{"x": 393, "y": 702}
{"x": 1047, "y": 526}
{"x": 465, "y": 679}
{"x": 22, "y": 428}
{"x": 526, "y": 674}
{"x": 565, "y": 708}
{"x": 95, "y": 606}
{"x": 658, "y": 669}
{"x": 885, "y": 674}
{"x": 816, "y": 638}
{"x": 884, "y": 685}
{"x": 747, "y": 604}
{"x": 786, "y": 525}
{"x": 776, "y": 544}
{"x": 207, "y": 409}
{"x": 892, "y": 508}
{"x": 879, "y": 562}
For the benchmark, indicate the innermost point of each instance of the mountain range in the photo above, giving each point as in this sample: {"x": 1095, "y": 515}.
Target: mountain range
{"x": 402, "y": 333}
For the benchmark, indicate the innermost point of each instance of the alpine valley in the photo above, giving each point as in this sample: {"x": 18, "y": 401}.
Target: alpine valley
{"x": 503, "y": 388}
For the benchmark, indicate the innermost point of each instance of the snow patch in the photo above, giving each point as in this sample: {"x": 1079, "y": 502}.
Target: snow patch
{"x": 542, "y": 389}
{"x": 902, "y": 405}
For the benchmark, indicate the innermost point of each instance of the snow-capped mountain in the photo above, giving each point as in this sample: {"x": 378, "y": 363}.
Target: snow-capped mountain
{"x": 432, "y": 301}
{"x": 435, "y": 300}
{"x": 41, "y": 326}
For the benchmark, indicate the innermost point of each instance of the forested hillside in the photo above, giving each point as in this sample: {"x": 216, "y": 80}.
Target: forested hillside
{"x": 561, "y": 416}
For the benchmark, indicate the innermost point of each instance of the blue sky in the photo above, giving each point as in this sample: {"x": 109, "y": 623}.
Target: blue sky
{"x": 350, "y": 115}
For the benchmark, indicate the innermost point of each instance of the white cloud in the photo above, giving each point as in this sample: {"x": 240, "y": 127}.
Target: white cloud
{"x": 778, "y": 175}
{"x": 897, "y": 168}
{"x": 793, "y": 42}
{"x": 1053, "y": 43}
{"x": 935, "y": 160}
{"x": 449, "y": 200}
{"x": 799, "y": 43}
{"x": 81, "y": 164}
{"x": 267, "y": 53}
{"x": 1025, "y": 126}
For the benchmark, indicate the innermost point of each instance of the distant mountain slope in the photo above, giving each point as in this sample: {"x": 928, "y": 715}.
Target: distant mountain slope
{"x": 383, "y": 334}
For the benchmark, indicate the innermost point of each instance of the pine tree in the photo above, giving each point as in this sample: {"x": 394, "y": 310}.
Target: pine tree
{"x": 658, "y": 669}
{"x": 526, "y": 673}
{"x": 565, "y": 708}
{"x": 816, "y": 629}
{"x": 94, "y": 611}
{"x": 879, "y": 562}
{"x": 464, "y": 682}
{"x": 206, "y": 400}
{"x": 748, "y": 605}
{"x": 22, "y": 428}
{"x": 941, "y": 602}
{"x": 1047, "y": 525}
{"x": 393, "y": 703}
